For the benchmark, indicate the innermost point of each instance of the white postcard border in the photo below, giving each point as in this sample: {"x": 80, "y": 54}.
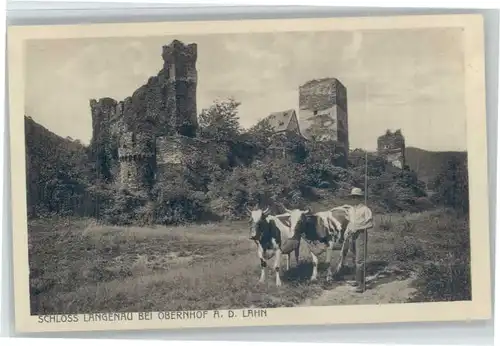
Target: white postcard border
{"x": 478, "y": 308}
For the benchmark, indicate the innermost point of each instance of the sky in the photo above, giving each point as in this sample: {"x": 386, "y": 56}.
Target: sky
{"x": 411, "y": 79}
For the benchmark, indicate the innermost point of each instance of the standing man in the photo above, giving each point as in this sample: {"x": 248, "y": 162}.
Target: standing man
{"x": 360, "y": 221}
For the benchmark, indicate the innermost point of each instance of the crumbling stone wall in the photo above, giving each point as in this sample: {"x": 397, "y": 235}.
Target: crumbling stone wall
{"x": 391, "y": 146}
{"x": 136, "y": 154}
{"x": 103, "y": 145}
{"x": 179, "y": 65}
{"x": 320, "y": 94}
{"x": 187, "y": 157}
{"x": 164, "y": 106}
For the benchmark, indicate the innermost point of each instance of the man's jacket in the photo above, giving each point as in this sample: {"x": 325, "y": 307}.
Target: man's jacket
{"x": 359, "y": 216}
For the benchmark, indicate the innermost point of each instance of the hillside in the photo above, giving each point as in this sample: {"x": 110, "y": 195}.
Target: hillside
{"x": 55, "y": 167}
{"x": 427, "y": 164}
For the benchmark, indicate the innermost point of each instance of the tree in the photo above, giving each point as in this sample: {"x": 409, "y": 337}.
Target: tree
{"x": 452, "y": 185}
{"x": 261, "y": 133}
{"x": 220, "y": 121}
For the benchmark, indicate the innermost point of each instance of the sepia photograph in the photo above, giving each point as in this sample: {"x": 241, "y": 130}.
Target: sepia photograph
{"x": 197, "y": 174}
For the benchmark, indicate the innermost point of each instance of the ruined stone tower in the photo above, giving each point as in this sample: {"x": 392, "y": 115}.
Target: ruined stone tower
{"x": 102, "y": 111}
{"x": 136, "y": 154}
{"x": 179, "y": 66}
{"x": 124, "y": 133}
{"x": 391, "y": 147}
{"x": 102, "y": 147}
{"x": 323, "y": 111}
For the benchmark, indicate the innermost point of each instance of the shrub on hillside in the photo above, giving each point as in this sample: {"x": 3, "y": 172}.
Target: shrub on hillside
{"x": 123, "y": 208}
{"x": 446, "y": 280}
{"x": 220, "y": 121}
{"x": 264, "y": 184}
{"x": 423, "y": 204}
{"x": 324, "y": 174}
{"x": 259, "y": 137}
{"x": 452, "y": 185}
{"x": 198, "y": 171}
{"x": 396, "y": 190}
{"x": 376, "y": 164}
{"x": 446, "y": 276}
{"x": 174, "y": 203}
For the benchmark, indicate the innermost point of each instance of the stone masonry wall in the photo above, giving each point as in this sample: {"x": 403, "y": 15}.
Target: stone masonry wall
{"x": 323, "y": 106}
{"x": 320, "y": 94}
{"x": 173, "y": 153}
{"x": 180, "y": 67}
{"x": 103, "y": 145}
{"x": 164, "y": 106}
{"x": 136, "y": 154}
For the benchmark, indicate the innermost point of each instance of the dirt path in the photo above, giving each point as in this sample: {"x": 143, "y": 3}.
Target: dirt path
{"x": 385, "y": 287}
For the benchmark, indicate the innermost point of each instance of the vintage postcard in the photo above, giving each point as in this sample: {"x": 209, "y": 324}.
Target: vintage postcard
{"x": 249, "y": 173}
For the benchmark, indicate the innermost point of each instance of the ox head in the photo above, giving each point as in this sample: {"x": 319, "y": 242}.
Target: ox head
{"x": 257, "y": 222}
{"x": 297, "y": 218}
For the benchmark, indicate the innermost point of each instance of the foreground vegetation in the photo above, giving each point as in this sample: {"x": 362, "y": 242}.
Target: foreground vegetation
{"x": 78, "y": 266}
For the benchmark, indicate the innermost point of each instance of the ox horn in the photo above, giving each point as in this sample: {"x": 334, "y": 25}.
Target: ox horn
{"x": 266, "y": 210}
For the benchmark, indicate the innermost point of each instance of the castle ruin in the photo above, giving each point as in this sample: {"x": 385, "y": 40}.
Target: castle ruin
{"x": 133, "y": 136}
{"x": 391, "y": 146}
{"x": 144, "y": 138}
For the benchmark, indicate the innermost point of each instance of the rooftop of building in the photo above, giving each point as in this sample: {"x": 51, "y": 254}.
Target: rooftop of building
{"x": 279, "y": 120}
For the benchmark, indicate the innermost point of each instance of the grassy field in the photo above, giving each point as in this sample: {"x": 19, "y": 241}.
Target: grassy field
{"x": 78, "y": 266}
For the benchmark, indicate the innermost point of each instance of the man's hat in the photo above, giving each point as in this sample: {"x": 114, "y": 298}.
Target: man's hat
{"x": 356, "y": 192}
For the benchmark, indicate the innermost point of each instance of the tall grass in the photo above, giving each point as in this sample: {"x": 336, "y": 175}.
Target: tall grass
{"x": 435, "y": 245}
{"x": 79, "y": 266}
{"x": 84, "y": 267}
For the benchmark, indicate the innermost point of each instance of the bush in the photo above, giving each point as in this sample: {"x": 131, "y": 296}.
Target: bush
{"x": 175, "y": 204}
{"x": 452, "y": 185}
{"x": 325, "y": 174}
{"x": 264, "y": 184}
{"x": 220, "y": 122}
{"x": 423, "y": 204}
{"x": 446, "y": 274}
{"x": 447, "y": 280}
{"x": 409, "y": 250}
{"x": 124, "y": 208}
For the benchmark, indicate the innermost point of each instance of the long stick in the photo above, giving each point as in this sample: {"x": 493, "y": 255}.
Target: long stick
{"x": 365, "y": 232}
{"x": 365, "y": 85}
{"x": 366, "y": 176}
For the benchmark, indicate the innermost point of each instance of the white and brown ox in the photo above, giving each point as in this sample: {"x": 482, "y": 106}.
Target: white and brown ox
{"x": 273, "y": 239}
{"x": 325, "y": 228}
